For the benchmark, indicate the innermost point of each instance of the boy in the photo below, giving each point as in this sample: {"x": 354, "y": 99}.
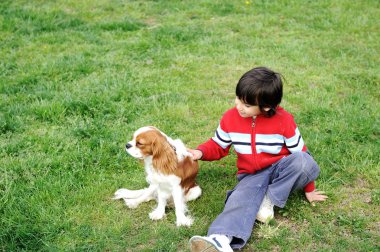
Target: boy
{"x": 272, "y": 161}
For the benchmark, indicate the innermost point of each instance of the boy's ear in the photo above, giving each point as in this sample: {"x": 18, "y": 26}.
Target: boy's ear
{"x": 266, "y": 109}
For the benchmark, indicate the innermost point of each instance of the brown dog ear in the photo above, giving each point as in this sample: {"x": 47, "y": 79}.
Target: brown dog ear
{"x": 164, "y": 157}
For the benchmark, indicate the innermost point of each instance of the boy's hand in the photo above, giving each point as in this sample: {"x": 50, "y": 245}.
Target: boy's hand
{"x": 315, "y": 196}
{"x": 197, "y": 154}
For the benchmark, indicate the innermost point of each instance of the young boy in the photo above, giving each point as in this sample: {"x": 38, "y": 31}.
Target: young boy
{"x": 272, "y": 161}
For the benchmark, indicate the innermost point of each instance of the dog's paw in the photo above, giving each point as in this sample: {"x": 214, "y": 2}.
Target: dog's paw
{"x": 184, "y": 221}
{"x": 121, "y": 193}
{"x": 156, "y": 215}
{"x": 131, "y": 203}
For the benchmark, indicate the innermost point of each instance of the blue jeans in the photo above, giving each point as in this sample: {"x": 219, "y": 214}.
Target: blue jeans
{"x": 243, "y": 202}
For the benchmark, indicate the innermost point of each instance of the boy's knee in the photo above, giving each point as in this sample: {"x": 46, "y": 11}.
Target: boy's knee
{"x": 306, "y": 164}
{"x": 309, "y": 166}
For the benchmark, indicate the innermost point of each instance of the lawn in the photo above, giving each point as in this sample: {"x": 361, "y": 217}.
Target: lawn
{"x": 78, "y": 77}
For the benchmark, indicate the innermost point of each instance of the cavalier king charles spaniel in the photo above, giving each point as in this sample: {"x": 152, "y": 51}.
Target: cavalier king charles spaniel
{"x": 170, "y": 173}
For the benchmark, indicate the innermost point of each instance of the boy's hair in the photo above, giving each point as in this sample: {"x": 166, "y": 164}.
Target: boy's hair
{"x": 261, "y": 87}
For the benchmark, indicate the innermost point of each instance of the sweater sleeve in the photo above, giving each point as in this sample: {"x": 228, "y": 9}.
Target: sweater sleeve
{"x": 309, "y": 187}
{"x": 292, "y": 137}
{"x": 212, "y": 151}
{"x": 218, "y": 146}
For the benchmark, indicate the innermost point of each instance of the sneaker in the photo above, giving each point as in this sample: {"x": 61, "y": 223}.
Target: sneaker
{"x": 213, "y": 243}
{"x": 266, "y": 212}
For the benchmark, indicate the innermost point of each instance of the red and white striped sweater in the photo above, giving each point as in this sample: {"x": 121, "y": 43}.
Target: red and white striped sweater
{"x": 258, "y": 142}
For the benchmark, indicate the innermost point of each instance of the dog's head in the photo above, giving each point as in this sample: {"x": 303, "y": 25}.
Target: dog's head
{"x": 151, "y": 142}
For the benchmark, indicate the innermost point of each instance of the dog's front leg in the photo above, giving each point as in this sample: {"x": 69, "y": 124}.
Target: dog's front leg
{"x": 159, "y": 212}
{"x": 180, "y": 207}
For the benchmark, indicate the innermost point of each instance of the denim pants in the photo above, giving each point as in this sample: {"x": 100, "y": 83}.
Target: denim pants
{"x": 243, "y": 202}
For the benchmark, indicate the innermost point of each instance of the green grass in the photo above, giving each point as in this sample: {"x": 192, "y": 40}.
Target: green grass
{"x": 78, "y": 77}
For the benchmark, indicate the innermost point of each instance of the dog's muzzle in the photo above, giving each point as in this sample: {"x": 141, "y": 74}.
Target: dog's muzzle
{"x": 128, "y": 145}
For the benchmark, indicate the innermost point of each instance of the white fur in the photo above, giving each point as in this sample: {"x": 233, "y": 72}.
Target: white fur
{"x": 161, "y": 187}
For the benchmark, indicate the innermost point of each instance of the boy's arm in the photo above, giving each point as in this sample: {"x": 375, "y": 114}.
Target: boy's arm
{"x": 212, "y": 151}
{"x": 216, "y": 147}
{"x": 211, "y": 154}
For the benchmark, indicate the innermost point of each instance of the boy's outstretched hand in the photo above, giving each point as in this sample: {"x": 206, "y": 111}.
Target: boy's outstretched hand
{"x": 315, "y": 196}
{"x": 197, "y": 154}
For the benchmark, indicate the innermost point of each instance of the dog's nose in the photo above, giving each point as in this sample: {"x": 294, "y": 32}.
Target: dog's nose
{"x": 128, "y": 145}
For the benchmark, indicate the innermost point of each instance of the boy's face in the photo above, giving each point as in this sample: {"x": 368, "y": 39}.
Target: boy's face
{"x": 246, "y": 110}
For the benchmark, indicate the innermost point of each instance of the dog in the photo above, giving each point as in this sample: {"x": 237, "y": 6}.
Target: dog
{"x": 170, "y": 173}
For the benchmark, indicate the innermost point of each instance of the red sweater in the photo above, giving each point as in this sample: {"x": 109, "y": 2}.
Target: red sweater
{"x": 258, "y": 143}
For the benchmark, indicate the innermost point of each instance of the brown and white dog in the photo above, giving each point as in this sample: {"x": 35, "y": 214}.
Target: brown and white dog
{"x": 170, "y": 172}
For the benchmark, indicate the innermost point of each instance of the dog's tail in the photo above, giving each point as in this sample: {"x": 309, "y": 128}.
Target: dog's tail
{"x": 193, "y": 193}
{"x": 128, "y": 194}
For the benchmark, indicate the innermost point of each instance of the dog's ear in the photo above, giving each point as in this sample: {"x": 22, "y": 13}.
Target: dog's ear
{"x": 164, "y": 157}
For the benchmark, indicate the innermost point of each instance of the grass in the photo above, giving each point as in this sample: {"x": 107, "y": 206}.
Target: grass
{"x": 78, "y": 77}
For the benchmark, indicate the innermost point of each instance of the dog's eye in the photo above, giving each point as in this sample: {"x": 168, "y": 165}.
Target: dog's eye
{"x": 138, "y": 144}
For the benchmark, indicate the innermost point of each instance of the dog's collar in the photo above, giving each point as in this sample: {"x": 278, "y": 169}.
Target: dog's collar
{"x": 173, "y": 147}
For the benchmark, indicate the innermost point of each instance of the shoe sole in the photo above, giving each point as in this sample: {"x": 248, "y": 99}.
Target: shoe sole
{"x": 198, "y": 244}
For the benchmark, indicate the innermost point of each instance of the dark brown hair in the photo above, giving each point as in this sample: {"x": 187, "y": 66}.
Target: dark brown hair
{"x": 261, "y": 87}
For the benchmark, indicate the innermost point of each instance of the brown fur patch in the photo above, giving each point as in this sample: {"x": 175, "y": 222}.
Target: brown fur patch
{"x": 153, "y": 143}
{"x": 187, "y": 170}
